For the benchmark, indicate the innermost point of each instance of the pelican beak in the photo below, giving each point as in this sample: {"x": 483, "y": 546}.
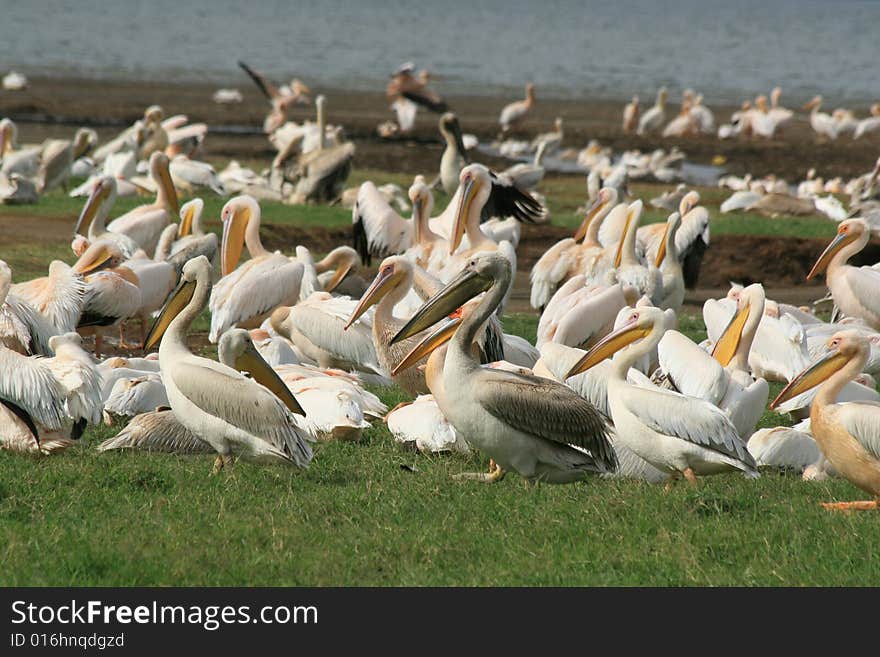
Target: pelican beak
{"x": 459, "y": 142}
{"x": 433, "y": 341}
{"x": 90, "y": 209}
{"x": 629, "y": 217}
{"x": 253, "y": 363}
{"x": 417, "y": 208}
{"x": 661, "y": 252}
{"x": 581, "y": 232}
{"x": 186, "y": 222}
{"x": 609, "y": 345}
{"x": 338, "y": 276}
{"x": 464, "y": 208}
{"x": 815, "y": 374}
{"x": 233, "y": 239}
{"x": 727, "y": 344}
{"x": 385, "y": 281}
{"x": 455, "y": 294}
{"x": 95, "y": 261}
{"x": 170, "y": 192}
{"x": 839, "y": 241}
{"x": 4, "y": 141}
{"x": 176, "y": 303}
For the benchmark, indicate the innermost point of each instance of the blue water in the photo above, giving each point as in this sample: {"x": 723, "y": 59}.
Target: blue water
{"x": 570, "y": 48}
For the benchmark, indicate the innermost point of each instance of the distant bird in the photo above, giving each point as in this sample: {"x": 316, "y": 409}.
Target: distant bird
{"x": 405, "y": 83}
{"x": 281, "y": 98}
{"x": 631, "y": 116}
{"x": 454, "y": 156}
{"x": 822, "y": 123}
{"x": 513, "y": 114}
{"x": 653, "y": 119}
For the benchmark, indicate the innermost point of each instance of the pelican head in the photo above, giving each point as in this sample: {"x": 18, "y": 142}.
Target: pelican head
{"x": 843, "y": 348}
{"x": 194, "y": 270}
{"x": 190, "y": 213}
{"x": 475, "y": 185}
{"x": 236, "y": 215}
{"x": 434, "y": 340}
{"x": 641, "y": 322}
{"x": 480, "y": 274}
{"x": 761, "y": 103}
{"x": 815, "y": 103}
{"x": 775, "y": 95}
{"x": 451, "y": 131}
{"x": 606, "y": 198}
{"x": 84, "y": 141}
{"x": 237, "y": 350}
{"x": 154, "y": 114}
{"x": 8, "y": 133}
{"x": 688, "y": 202}
{"x": 394, "y": 272}
{"x": 342, "y": 259}
{"x": 662, "y": 96}
{"x": 160, "y": 172}
{"x": 849, "y": 232}
{"x": 102, "y": 197}
{"x": 749, "y": 310}
{"x": 530, "y": 91}
{"x": 98, "y": 256}
{"x": 633, "y": 215}
{"x": 668, "y": 238}
{"x": 421, "y": 198}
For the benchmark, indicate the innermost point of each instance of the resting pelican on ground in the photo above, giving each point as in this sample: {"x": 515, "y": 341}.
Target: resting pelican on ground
{"x": 513, "y": 114}
{"x": 59, "y": 297}
{"x": 244, "y": 297}
{"x": 579, "y": 313}
{"x": 573, "y": 255}
{"x": 454, "y": 156}
{"x": 421, "y": 423}
{"x": 58, "y": 157}
{"x": 238, "y": 416}
{"x": 191, "y": 233}
{"x": 653, "y": 119}
{"x": 535, "y": 427}
{"x": 156, "y": 431}
{"x": 93, "y": 217}
{"x": 681, "y": 435}
{"x": 847, "y": 433}
{"x": 822, "y": 123}
{"x": 855, "y": 290}
{"x": 145, "y": 223}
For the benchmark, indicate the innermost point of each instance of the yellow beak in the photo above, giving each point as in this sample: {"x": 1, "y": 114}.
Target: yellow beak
{"x": 608, "y": 346}
{"x": 629, "y": 218}
{"x": 727, "y": 344}
{"x": 811, "y": 377}
{"x": 464, "y": 208}
{"x": 90, "y": 209}
{"x": 385, "y": 281}
{"x": 233, "y": 239}
{"x": 430, "y": 343}
{"x": 661, "y": 252}
{"x": 581, "y": 232}
{"x": 338, "y": 276}
{"x": 176, "y": 303}
{"x": 252, "y": 362}
{"x": 840, "y": 241}
{"x": 93, "y": 261}
{"x": 170, "y": 192}
{"x": 186, "y": 223}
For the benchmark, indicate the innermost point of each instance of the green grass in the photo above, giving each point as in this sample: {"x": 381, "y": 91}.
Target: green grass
{"x": 373, "y": 513}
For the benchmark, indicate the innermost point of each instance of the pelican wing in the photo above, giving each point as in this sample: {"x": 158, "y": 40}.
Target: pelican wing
{"x": 546, "y": 409}
{"x": 18, "y": 319}
{"x": 508, "y": 200}
{"x": 263, "y": 84}
{"x": 157, "y": 431}
{"x": 690, "y": 369}
{"x": 59, "y": 297}
{"x": 862, "y": 421}
{"x": 865, "y": 284}
{"x": 28, "y": 383}
{"x": 611, "y": 228}
{"x": 224, "y": 393}
{"x": 427, "y": 99}
{"x": 378, "y": 230}
{"x": 694, "y": 420}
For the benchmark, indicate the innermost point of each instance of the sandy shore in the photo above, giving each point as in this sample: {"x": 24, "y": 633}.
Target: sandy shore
{"x": 50, "y": 106}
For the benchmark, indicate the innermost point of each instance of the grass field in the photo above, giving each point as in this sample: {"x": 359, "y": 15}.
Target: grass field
{"x": 373, "y": 513}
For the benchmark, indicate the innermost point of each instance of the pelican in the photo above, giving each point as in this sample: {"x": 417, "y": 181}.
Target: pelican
{"x": 869, "y": 124}
{"x": 191, "y": 232}
{"x": 573, "y": 255}
{"x": 421, "y": 423}
{"x": 668, "y": 263}
{"x": 59, "y": 296}
{"x": 93, "y": 217}
{"x": 23, "y": 161}
{"x": 74, "y": 370}
{"x": 58, "y": 157}
{"x": 144, "y": 223}
{"x": 854, "y": 289}
{"x": 550, "y": 141}
{"x": 579, "y": 314}
{"x": 281, "y": 98}
{"x": 653, "y": 119}
{"x": 188, "y": 174}
{"x": 22, "y": 328}
{"x": 131, "y": 396}
{"x": 514, "y": 113}
{"x": 723, "y": 378}
{"x": 847, "y": 433}
{"x": 691, "y": 239}
{"x": 246, "y": 296}
{"x": 238, "y": 416}
{"x": 823, "y": 124}
{"x": 646, "y": 280}
{"x": 414, "y": 88}
{"x": 631, "y": 116}
{"x": 321, "y": 173}
{"x": 535, "y": 427}
{"x": 156, "y": 431}
{"x": 454, "y": 156}
{"x": 779, "y": 116}
{"x": 681, "y": 435}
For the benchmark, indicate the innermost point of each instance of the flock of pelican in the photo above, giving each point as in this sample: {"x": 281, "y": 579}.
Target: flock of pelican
{"x": 611, "y": 388}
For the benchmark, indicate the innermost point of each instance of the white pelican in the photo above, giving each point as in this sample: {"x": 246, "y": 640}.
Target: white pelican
{"x": 93, "y": 217}
{"x": 22, "y": 328}
{"x": 655, "y": 117}
{"x": 573, "y": 255}
{"x": 454, "y": 156}
{"x": 847, "y": 433}
{"x": 15, "y": 189}
{"x": 723, "y": 378}
{"x": 23, "y": 161}
{"x": 514, "y": 113}
{"x": 536, "y": 427}
{"x": 681, "y": 435}
{"x": 404, "y": 84}
{"x": 579, "y": 313}
{"x": 822, "y": 123}
{"x": 246, "y": 296}
{"x": 191, "y": 231}
{"x": 79, "y": 379}
{"x": 59, "y": 296}
{"x": 145, "y": 223}
{"x": 58, "y": 157}
{"x": 156, "y": 431}
{"x": 691, "y": 239}
{"x": 854, "y": 289}
{"x": 132, "y": 396}
{"x": 321, "y": 173}
{"x": 235, "y": 414}
{"x": 421, "y": 423}
{"x": 788, "y": 448}
{"x": 668, "y": 263}
{"x": 779, "y": 116}
{"x": 631, "y": 116}
{"x": 189, "y": 174}
{"x": 628, "y": 270}
{"x": 870, "y": 124}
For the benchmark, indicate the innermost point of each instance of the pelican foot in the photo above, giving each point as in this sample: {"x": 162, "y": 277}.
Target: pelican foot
{"x": 496, "y": 473}
{"x": 221, "y": 462}
{"x": 864, "y": 505}
{"x": 691, "y": 476}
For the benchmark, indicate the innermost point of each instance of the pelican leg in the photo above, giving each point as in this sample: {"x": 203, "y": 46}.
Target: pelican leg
{"x": 221, "y": 462}
{"x": 496, "y": 473}
{"x": 98, "y": 343}
{"x": 122, "y": 343}
{"x": 690, "y": 476}
{"x": 864, "y": 505}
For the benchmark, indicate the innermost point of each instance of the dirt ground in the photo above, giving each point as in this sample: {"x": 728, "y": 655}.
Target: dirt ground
{"x": 51, "y": 107}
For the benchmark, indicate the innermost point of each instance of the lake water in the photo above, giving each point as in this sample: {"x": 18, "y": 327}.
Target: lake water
{"x": 569, "y": 48}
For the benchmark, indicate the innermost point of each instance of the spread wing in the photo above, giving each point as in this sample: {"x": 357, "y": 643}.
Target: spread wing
{"x": 27, "y": 382}
{"x": 269, "y": 90}
{"x": 508, "y": 200}
{"x": 378, "y": 230}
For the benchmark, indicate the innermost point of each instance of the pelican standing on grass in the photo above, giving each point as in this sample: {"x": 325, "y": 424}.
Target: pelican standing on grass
{"x": 236, "y": 415}
{"x": 93, "y": 217}
{"x": 848, "y": 433}
{"x": 514, "y": 113}
{"x": 533, "y": 426}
